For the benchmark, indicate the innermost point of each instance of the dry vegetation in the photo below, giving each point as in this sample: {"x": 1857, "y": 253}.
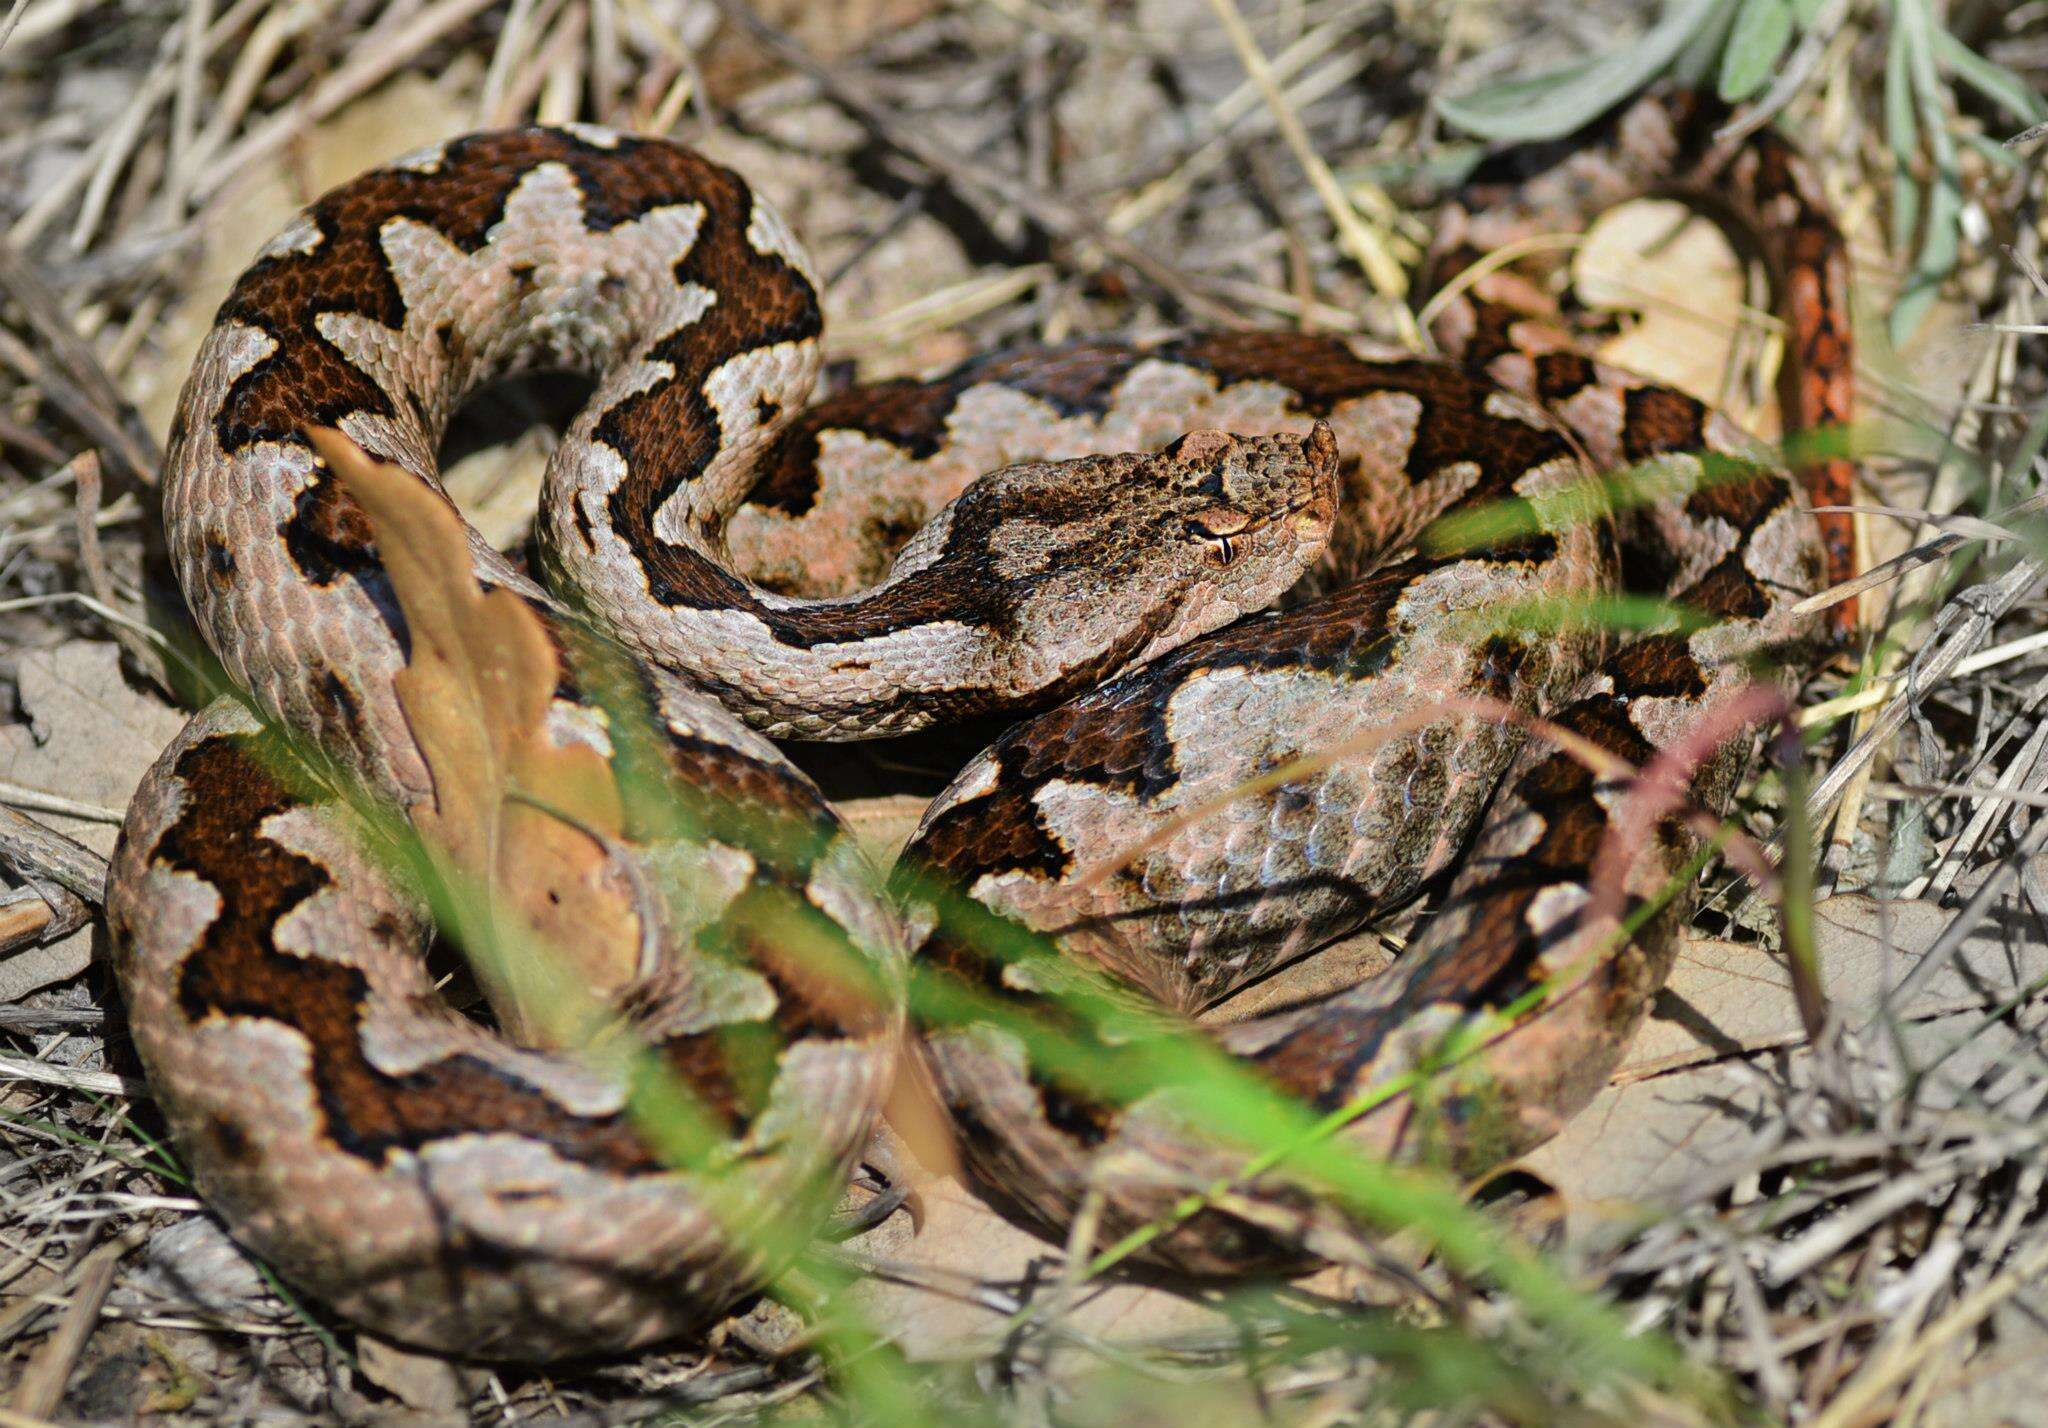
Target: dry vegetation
{"x": 1843, "y": 1228}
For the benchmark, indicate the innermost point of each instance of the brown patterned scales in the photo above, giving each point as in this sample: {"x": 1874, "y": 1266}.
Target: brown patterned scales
{"x": 436, "y": 1182}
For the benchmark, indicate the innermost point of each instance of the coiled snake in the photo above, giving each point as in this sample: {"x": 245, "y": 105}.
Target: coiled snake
{"x": 433, "y": 1180}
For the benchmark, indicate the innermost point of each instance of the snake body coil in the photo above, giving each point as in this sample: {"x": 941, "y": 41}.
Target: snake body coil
{"x": 435, "y": 1181}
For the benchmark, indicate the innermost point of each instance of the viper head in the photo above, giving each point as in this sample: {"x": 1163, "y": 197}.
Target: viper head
{"x": 1099, "y": 562}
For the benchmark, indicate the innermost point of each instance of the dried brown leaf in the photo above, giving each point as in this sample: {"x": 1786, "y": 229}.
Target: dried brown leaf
{"x": 1680, "y": 278}
{"x": 516, "y": 812}
{"x": 427, "y": 1384}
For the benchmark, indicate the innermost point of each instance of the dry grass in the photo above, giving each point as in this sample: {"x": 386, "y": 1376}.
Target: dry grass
{"x": 973, "y": 175}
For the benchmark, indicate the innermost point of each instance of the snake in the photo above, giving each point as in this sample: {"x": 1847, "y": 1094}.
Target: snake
{"x": 1174, "y": 571}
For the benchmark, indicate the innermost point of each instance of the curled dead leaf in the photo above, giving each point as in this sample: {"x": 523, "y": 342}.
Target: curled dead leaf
{"x": 518, "y": 816}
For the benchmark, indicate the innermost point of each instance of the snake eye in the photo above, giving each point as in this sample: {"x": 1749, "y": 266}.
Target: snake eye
{"x": 1218, "y": 531}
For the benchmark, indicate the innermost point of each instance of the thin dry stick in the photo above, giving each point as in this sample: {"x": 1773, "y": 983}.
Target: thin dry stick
{"x": 1880, "y": 1376}
{"x": 1960, "y": 628}
{"x": 100, "y": 1083}
{"x": 371, "y": 65}
{"x": 1766, "y": 1360}
{"x": 253, "y": 61}
{"x": 937, "y": 311}
{"x": 1054, "y": 214}
{"x": 1162, "y": 193}
{"x": 607, "y": 63}
{"x": 191, "y": 75}
{"x": 22, "y": 796}
{"x": 1323, "y": 314}
{"x": 1996, "y": 798}
{"x": 63, "y": 882}
{"x": 668, "y": 110}
{"x": 1826, "y": 1240}
{"x": 1991, "y": 374}
{"x": 33, "y": 914}
{"x": 54, "y": 199}
{"x": 1993, "y": 805}
{"x": 42, "y": 1383}
{"x": 563, "y": 74}
{"x": 1492, "y": 262}
{"x": 557, "y": 45}
{"x": 43, "y": 855}
{"x": 72, "y": 377}
{"x": 84, "y": 471}
{"x": 512, "y": 46}
{"x": 1864, "y": 698}
{"x": 13, "y": 19}
{"x": 1367, "y": 248}
{"x": 1917, "y": 580}
{"x": 116, "y": 148}
{"x": 1968, "y": 528}
{"x": 1971, "y": 916}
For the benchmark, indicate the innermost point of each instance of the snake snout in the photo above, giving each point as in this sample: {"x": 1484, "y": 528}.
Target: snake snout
{"x": 1320, "y": 461}
{"x": 1261, "y": 478}
{"x": 1289, "y": 482}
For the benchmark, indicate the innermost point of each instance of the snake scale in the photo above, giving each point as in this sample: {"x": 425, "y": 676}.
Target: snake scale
{"x": 431, "y": 1179}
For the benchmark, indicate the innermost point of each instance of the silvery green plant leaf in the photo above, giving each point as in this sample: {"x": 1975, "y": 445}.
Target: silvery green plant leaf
{"x": 1557, "y": 102}
{"x": 1994, "y": 81}
{"x": 1763, "y": 29}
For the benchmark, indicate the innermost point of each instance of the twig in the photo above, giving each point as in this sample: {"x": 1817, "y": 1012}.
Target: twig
{"x": 191, "y": 77}
{"x": 36, "y": 1018}
{"x": 13, "y": 19}
{"x": 1963, "y": 624}
{"x": 228, "y": 104}
{"x": 147, "y": 653}
{"x": 43, "y": 854}
{"x": 1994, "y": 804}
{"x": 1161, "y": 193}
{"x": 100, "y": 1083}
{"x": 1971, "y": 915}
{"x": 1831, "y": 709}
{"x": 1881, "y": 1375}
{"x": 77, "y": 383}
{"x": 1367, "y": 248}
{"x": 369, "y": 66}
{"x": 1926, "y": 553}
{"x": 42, "y": 1383}
{"x": 22, "y": 796}
{"x": 1054, "y": 214}
{"x": 1827, "y": 1239}
{"x": 155, "y": 86}
{"x": 512, "y": 44}
{"x": 36, "y": 914}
